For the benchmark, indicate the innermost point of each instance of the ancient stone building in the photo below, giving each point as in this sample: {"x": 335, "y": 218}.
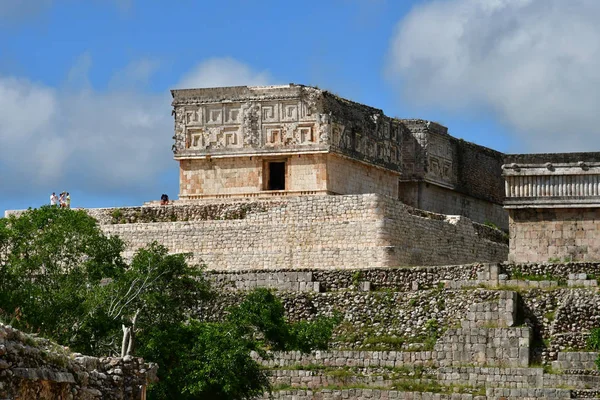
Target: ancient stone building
{"x": 295, "y": 189}
{"x": 553, "y": 202}
{"x": 298, "y": 140}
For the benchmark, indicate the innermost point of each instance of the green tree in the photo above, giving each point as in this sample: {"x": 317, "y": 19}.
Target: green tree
{"x": 213, "y": 360}
{"x": 50, "y": 261}
{"x": 61, "y": 277}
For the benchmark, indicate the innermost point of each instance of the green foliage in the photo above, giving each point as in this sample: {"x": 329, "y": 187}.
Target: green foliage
{"x": 492, "y": 225}
{"x": 432, "y": 328}
{"x": 203, "y": 360}
{"x": 263, "y": 313}
{"x": 51, "y": 260}
{"x": 593, "y": 341}
{"x": 212, "y": 360}
{"x": 391, "y": 342}
{"x": 117, "y": 216}
{"x": 315, "y": 335}
{"x": 62, "y": 278}
{"x": 356, "y": 277}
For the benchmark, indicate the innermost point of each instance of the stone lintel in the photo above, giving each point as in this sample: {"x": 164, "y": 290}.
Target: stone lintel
{"x": 232, "y": 94}
{"x": 253, "y": 153}
{"x": 554, "y": 202}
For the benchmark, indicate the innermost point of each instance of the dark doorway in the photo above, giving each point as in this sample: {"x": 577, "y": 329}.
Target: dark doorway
{"x": 276, "y": 176}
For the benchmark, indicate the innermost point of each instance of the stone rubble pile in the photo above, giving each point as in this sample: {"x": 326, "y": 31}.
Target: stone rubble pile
{"x": 35, "y": 368}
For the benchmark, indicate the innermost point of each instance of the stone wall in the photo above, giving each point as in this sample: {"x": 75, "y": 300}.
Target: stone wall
{"x": 451, "y": 176}
{"x": 558, "y": 234}
{"x": 247, "y": 175}
{"x": 34, "y": 368}
{"x": 346, "y": 176}
{"x": 490, "y": 323}
{"x": 421, "y": 240}
{"x": 323, "y": 232}
{"x": 401, "y": 303}
{"x": 479, "y": 172}
{"x": 442, "y": 200}
{"x": 430, "y": 154}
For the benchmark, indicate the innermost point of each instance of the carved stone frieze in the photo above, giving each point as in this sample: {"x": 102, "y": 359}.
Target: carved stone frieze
{"x": 283, "y": 118}
{"x": 440, "y": 159}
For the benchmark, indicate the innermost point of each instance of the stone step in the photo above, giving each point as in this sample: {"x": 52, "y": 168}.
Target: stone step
{"x": 360, "y": 394}
{"x": 315, "y": 379}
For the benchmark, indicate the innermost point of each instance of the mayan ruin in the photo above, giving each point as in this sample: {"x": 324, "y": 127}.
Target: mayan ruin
{"x": 458, "y": 271}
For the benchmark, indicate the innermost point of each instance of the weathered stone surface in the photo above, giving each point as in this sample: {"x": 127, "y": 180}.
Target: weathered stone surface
{"x": 34, "y": 368}
{"x": 553, "y": 202}
{"x": 322, "y": 232}
{"x": 227, "y": 138}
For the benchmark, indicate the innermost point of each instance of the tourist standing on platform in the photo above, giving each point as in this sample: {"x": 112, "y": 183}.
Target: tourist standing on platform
{"x": 53, "y": 199}
{"x": 68, "y": 201}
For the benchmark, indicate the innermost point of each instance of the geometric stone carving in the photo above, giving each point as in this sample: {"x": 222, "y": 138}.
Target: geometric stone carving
{"x": 214, "y": 115}
{"x": 289, "y": 112}
{"x": 244, "y": 119}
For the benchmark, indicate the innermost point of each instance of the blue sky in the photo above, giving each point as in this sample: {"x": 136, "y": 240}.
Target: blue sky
{"x": 84, "y": 101}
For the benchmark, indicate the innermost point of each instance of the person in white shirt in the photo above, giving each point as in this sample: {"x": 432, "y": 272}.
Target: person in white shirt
{"x": 53, "y": 199}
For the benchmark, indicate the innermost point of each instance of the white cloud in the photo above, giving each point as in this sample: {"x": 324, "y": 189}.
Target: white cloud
{"x": 534, "y": 63}
{"x": 225, "y": 71}
{"x": 81, "y": 138}
{"x": 114, "y": 141}
{"x": 136, "y": 74}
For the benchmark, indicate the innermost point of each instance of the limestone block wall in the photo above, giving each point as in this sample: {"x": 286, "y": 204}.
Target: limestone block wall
{"x": 345, "y": 176}
{"x": 241, "y": 175}
{"x": 451, "y": 202}
{"x": 323, "y": 232}
{"x": 307, "y": 232}
{"x": 575, "y": 360}
{"x": 35, "y": 368}
{"x": 420, "y": 240}
{"x": 362, "y": 394}
{"x": 401, "y": 279}
{"x": 246, "y": 175}
{"x": 545, "y": 234}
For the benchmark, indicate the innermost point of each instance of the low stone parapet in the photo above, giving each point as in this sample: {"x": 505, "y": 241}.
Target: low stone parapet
{"x": 491, "y": 376}
{"x": 576, "y": 381}
{"x": 362, "y": 394}
{"x": 575, "y": 360}
{"x": 527, "y": 393}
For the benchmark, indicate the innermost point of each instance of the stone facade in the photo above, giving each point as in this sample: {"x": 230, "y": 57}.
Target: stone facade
{"x": 553, "y": 202}
{"x": 450, "y": 176}
{"x": 323, "y": 232}
{"x": 247, "y": 140}
{"x": 298, "y": 140}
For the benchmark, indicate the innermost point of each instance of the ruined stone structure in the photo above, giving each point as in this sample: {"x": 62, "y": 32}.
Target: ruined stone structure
{"x": 554, "y": 206}
{"x": 344, "y": 210}
{"x": 35, "y": 368}
{"x": 478, "y": 331}
{"x": 298, "y": 140}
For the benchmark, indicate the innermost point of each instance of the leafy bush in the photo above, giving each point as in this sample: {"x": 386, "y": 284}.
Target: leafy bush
{"x": 62, "y": 278}
{"x": 316, "y": 335}
{"x": 593, "y": 341}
